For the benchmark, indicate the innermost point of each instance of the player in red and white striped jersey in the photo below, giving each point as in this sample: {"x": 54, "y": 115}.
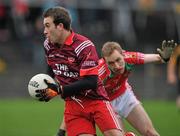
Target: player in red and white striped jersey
{"x": 114, "y": 69}
{"x": 74, "y": 62}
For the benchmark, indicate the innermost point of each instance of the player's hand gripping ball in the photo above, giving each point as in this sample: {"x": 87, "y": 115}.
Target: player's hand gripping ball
{"x": 37, "y": 83}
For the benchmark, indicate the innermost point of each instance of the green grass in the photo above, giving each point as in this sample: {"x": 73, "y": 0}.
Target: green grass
{"x": 26, "y": 117}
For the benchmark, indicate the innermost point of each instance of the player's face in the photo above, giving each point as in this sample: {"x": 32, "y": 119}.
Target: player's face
{"x": 116, "y": 62}
{"x": 50, "y": 30}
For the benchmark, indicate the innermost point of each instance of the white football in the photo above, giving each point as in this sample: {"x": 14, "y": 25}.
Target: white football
{"x": 37, "y": 83}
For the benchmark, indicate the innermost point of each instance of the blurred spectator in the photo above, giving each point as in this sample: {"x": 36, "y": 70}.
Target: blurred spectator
{"x": 4, "y": 31}
{"x": 49, "y": 3}
{"x": 146, "y": 5}
{"x": 20, "y": 11}
{"x": 176, "y": 7}
{"x": 173, "y": 73}
{"x": 2, "y": 65}
{"x": 123, "y": 23}
{"x": 37, "y": 41}
{"x": 22, "y": 28}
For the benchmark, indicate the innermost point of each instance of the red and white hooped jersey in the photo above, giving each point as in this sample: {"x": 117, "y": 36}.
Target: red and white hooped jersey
{"x": 73, "y": 60}
{"x": 116, "y": 85}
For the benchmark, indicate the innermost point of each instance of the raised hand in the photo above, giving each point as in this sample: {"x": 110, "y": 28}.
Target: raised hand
{"x": 166, "y": 49}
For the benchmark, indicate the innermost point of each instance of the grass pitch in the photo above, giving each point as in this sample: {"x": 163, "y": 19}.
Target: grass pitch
{"x": 27, "y": 117}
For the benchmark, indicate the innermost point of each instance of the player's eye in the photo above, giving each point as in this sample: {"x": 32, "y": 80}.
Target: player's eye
{"x": 110, "y": 63}
{"x": 47, "y": 25}
{"x": 119, "y": 60}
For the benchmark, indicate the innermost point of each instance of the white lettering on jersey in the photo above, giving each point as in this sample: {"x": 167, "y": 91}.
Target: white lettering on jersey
{"x": 66, "y": 73}
{"x": 62, "y": 67}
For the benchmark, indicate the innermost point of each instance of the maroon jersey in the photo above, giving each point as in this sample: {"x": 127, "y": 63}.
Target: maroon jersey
{"x": 76, "y": 58}
{"x": 117, "y": 84}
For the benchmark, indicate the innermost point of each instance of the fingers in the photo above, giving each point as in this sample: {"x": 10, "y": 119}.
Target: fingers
{"x": 159, "y": 51}
{"x": 163, "y": 44}
{"x": 166, "y": 44}
{"x": 169, "y": 43}
{"x": 43, "y": 91}
{"x": 41, "y": 95}
{"x": 45, "y": 94}
{"x": 173, "y": 44}
{"x": 46, "y": 81}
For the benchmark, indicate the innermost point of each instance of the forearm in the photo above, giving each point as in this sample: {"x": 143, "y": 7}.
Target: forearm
{"x": 152, "y": 58}
{"x": 171, "y": 71}
{"x": 88, "y": 82}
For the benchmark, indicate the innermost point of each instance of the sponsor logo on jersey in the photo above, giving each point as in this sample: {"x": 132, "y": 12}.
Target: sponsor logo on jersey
{"x": 62, "y": 69}
{"x": 89, "y": 63}
{"x": 55, "y": 55}
{"x": 71, "y": 59}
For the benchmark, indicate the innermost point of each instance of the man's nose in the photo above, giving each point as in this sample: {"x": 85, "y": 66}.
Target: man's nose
{"x": 45, "y": 32}
{"x": 116, "y": 65}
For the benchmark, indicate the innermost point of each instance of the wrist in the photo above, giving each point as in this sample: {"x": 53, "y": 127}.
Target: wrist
{"x": 166, "y": 60}
{"x": 60, "y": 89}
{"x": 163, "y": 60}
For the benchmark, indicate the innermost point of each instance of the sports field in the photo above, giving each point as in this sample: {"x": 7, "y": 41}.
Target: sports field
{"x": 27, "y": 117}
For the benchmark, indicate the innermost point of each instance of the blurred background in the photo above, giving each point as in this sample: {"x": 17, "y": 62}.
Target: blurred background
{"x": 138, "y": 25}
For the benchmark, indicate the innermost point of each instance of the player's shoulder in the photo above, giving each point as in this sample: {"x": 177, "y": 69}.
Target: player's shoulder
{"x": 81, "y": 44}
{"x": 81, "y": 40}
{"x": 103, "y": 70}
{"x": 101, "y": 61}
{"x": 80, "y": 37}
{"x": 102, "y": 66}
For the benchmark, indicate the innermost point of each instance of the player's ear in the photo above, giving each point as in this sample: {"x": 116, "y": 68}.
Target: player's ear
{"x": 60, "y": 26}
{"x": 123, "y": 54}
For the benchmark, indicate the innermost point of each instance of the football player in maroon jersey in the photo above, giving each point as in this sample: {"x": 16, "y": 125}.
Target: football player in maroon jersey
{"x": 114, "y": 70}
{"x": 74, "y": 62}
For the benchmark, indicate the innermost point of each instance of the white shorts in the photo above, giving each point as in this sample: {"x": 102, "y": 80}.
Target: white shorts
{"x": 125, "y": 103}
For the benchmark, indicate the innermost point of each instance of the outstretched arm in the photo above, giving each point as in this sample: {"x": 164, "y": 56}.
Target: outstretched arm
{"x": 149, "y": 58}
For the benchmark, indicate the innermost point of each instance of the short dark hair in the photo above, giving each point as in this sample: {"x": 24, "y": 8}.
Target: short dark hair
{"x": 59, "y": 15}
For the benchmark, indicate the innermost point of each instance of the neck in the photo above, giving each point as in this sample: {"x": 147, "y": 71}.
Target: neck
{"x": 64, "y": 37}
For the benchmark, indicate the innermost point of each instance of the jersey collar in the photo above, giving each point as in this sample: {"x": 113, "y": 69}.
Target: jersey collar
{"x": 69, "y": 39}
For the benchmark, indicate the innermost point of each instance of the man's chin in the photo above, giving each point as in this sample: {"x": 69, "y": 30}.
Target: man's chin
{"x": 118, "y": 71}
